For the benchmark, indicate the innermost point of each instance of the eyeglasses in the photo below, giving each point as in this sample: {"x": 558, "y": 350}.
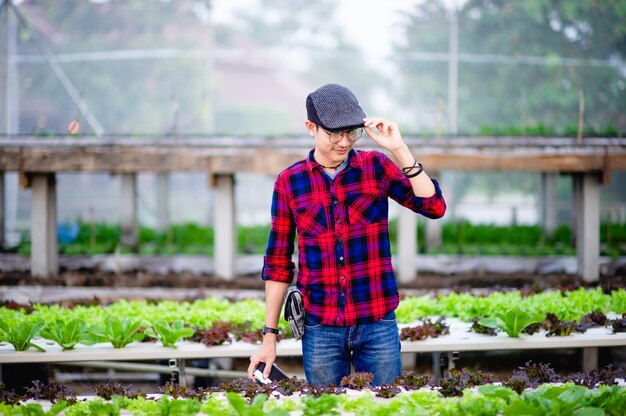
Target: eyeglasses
{"x": 335, "y": 137}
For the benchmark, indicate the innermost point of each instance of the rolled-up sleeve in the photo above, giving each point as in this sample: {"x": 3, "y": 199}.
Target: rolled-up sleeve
{"x": 399, "y": 189}
{"x": 277, "y": 263}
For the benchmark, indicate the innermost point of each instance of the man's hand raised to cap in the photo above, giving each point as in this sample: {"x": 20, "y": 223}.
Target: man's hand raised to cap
{"x": 387, "y": 135}
{"x": 384, "y": 132}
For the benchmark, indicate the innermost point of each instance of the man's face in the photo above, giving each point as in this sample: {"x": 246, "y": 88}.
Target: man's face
{"x": 333, "y": 153}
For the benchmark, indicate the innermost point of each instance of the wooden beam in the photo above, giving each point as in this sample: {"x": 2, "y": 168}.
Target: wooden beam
{"x": 269, "y": 156}
{"x": 506, "y": 162}
{"x": 146, "y": 160}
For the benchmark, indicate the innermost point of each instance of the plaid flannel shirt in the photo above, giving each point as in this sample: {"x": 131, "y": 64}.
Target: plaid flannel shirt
{"x": 344, "y": 255}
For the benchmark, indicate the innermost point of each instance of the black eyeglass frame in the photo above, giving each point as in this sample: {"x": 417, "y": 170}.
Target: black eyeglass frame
{"x": 335, "y": 137}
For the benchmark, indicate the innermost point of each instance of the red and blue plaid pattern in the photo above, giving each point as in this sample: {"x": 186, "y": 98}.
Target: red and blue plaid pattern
{"x": 344, "y": 255}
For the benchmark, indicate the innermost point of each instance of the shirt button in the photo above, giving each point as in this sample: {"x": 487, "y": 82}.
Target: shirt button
{"x": 338, "y": 221}
{"x": 341, "y": 258}
{"x": 335, "y": 201}
{"x": 342, "y": 277}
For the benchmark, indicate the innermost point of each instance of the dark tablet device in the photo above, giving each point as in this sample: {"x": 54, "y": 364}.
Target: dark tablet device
{"x": 276, "y": 374}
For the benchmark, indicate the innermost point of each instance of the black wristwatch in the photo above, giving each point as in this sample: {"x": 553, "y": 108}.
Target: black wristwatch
{"x": 267, "y": 329}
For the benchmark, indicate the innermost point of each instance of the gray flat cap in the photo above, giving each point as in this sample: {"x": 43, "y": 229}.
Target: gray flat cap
{"x": 334, "y": 107}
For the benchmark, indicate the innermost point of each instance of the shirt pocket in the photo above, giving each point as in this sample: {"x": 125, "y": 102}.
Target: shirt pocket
{"x": 310, "y": 219}
{"x": 364, "y": 208}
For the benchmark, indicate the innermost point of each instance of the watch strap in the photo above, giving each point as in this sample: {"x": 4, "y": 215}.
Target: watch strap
{"x": 267, "y": 329}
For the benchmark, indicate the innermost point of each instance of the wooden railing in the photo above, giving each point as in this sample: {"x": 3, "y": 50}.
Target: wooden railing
{"x": 37, "y": 159}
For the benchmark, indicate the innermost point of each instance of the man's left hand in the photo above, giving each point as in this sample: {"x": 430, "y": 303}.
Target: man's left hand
{"x": 384, "y": 132}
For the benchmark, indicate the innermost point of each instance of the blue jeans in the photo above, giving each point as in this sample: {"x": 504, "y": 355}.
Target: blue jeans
{"x": 328, "y": 351}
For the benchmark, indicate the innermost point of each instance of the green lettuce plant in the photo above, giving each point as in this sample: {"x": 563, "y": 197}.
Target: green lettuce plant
{"x": 513, "y": 321}
{"x": 617, "y": 302}
{"x": 546, "y": 399}
{"x": 143, "y": 406}
{"x": 255, "y": 408}
{"x": 20, "y": 333}
{"x": 119, "y": 332}
{"x": 174, "y": 406}
{"x": 68, "y": 334}
{"x": 170, "y": 334}
{"x": 567, "y": 305}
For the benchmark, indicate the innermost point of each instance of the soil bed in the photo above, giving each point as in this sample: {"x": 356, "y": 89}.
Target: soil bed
{"x": 424, "y": 281}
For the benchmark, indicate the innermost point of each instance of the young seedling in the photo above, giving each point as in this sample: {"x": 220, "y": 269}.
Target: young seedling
{"x": 68, "y": 334}
{"x": 513, "y": 321}
{"x": 20, "y": 334}
{"x": 119, "y": 332}
{"x": 170, "y": 334}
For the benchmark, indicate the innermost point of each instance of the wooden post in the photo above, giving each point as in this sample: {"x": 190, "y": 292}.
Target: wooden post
{"x": 44, "y": 249}
{"x": 162, "y": 201}
{"x": 581, "y": 116}
{"x": 2, "y": 211}
{"x": 4, "y": 98}
{"x": 577, "y": 201}
{"x": 433, "y": 235}
{"x": 407, "y": 245}
{"x": 225, "y": 227}
{"x": 548, "y": 207}
{"x": 590, "y": 358}
{"x": 128, "y": 210}
{"x": 587, "y": 224}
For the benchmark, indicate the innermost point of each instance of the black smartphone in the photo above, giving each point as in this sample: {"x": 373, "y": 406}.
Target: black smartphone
{"x": 276, "y": 374}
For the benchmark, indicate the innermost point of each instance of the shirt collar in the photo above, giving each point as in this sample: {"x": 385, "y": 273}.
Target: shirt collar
{"x": 354, "y": 160}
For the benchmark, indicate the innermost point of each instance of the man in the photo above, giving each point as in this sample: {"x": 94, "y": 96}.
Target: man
{"x": 337, "y": 202}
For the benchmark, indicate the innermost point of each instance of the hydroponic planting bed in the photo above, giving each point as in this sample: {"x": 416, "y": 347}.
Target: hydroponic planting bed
{"x": 460, "y": 338}
{"x": 218, "y": 328}
{"x": 532, "y": 389}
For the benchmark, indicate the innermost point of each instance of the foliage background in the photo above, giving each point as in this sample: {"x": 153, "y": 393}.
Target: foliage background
{"x": 160, "y": 67}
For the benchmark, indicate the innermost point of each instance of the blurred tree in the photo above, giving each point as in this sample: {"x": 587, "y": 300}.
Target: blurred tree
{"x": 509, "y": 96}
{"x": 129, "y": 92}
{"x": 509, "y": 92}
{"x": 423, "y": 81}
{"x": 129, "y": 87}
